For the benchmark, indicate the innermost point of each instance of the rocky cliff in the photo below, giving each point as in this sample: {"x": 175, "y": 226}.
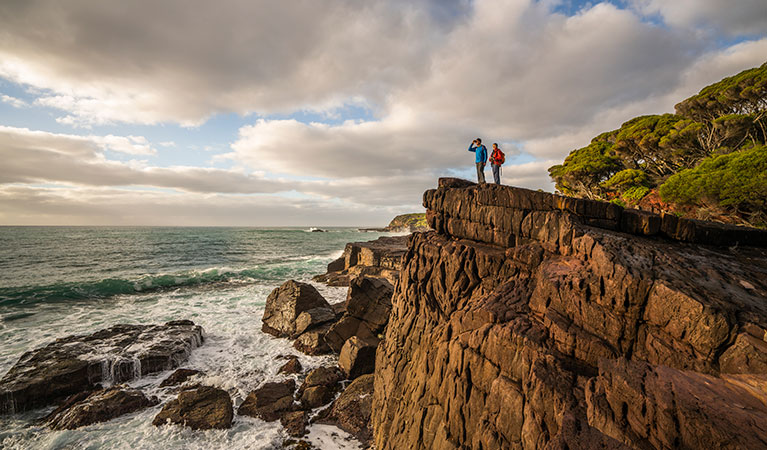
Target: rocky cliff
{"x": 381, "y": 258}
{"x": 530, "y": 320}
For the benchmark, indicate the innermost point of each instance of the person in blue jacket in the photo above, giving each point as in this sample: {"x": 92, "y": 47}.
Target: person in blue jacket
{"x": 480, "y": 158}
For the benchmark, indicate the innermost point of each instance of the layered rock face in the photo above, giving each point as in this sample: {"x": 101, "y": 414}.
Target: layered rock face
{"x": 381, "y": 258}
{"x": 530, "y": 320}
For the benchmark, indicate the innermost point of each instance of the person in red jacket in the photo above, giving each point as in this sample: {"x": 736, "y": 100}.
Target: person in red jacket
{"x": 497, "y": 158}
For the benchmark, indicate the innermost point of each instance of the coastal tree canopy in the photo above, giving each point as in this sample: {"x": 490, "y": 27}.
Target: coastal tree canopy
{"x": 705, "y": 152}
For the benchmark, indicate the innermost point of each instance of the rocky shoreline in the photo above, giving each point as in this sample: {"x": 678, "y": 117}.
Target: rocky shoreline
{"x": 523, "y": 320}
{"x": 82, "y": 374}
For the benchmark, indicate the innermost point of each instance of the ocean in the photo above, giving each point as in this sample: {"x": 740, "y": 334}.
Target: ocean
{"x": 58, "y": 281}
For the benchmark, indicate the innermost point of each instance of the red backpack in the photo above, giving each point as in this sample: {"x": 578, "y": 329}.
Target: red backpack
{"x": 498, "y": 157}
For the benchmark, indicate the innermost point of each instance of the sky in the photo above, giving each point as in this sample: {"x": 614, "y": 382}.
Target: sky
{"x": 326, "y": 113}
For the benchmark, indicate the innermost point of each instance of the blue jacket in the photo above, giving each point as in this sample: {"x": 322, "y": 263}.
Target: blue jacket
{"x": 480, "y": 151}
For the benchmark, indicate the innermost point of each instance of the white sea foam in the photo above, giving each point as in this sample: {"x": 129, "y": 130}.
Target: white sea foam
{"x": 236, "y": 356}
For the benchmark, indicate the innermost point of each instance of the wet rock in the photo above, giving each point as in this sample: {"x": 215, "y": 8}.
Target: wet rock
{"x": 339, "y": 308}
{"x": 316, "y": 396}
{"x": 295, "y": 423}
{"x": 348, "y": 326}
{"x": 270, "y": 401}
{"x": 358, "y": 357}
{"x": 291, "y": 367}
{"x": 313, "y": 318}
{"x": 353, "y": 408}
{"x": 321, "y": 376}
{"x": 297, "y": 444}
{"x": 313, "y": 342}
{"x": 179, "y": 377}
{"x": 286, "y": 303}
{"x": 202, "y": 408}
{"x": 100, "y": 406}
{"x": 78, "y": 363}
{"x": 369, "y": 300}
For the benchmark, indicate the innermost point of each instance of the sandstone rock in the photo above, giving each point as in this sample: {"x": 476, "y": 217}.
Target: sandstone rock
{"x": 78, "y": 363}
{"x": 316, "y": 396}
{"x": 358, "y": 357}
{"x": 319, "y": 387}
{"x": 314, "y": 317}
{"x": 88, "y": 408}
{"x": 352, "y": 410}
{"x": 286, "y": 303}
{"x": 292, "y": 366}
{"x": 345, "y": 328}
{"x": 179, "y": 377}
{"x": 660, "y": 407}
{"x": 313, "y": 342}
{"x": 202, "y": 408}
{"x": 339, "y": 308}
{"x": 270, "y": 401}
{"x": 295, "y": 423}
{"x": 322, "y": 376}
{"x": 381, "y": 258}
{"x": 337, "y": 265}
{"x": 369, "y": 300}
{"x": 531, "y": 320}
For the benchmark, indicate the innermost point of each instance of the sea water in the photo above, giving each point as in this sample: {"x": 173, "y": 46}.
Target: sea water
{"x": 59, "y": 281}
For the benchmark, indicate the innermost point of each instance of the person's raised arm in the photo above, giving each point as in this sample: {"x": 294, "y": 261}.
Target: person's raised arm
{"x": 471, "y": 147}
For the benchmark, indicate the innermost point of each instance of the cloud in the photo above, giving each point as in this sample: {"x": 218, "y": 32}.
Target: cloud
{"x": 181, "y": 61}
{"x": 431, "y": 75}
{"x": 744, "y": 17}
{"x": 516, "y": 73}
{"x": 67, "y": 205}
{"x": 13, "y": 101}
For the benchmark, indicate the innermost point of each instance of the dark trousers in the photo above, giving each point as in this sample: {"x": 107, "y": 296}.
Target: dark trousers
{"x": 496, "y": 173}
{"x": 481, "y": 172}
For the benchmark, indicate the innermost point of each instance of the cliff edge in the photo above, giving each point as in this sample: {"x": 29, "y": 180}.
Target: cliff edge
{"x": 531, "y": 320}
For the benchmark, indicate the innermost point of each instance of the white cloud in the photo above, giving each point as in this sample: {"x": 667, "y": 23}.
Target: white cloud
{"x": 731, "y": 17}
{"x": 434, "y": 74}
{"x": 13, "y": 101}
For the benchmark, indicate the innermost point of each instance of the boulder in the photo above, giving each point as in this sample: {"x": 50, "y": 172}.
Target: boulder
{"x": 88, "y": 408}
{"x": 316, "y": 396}
{"x": 358, "y": 357}
{"x": 321, "y": 376}
{"x": 179, "y": 377}
{"x": 201, "y": 408}
{"x": 270, "y": 401}
{"x": 291, "y": 367}
{"x": 369, "y": 299}
{"x": 286, "y": 303}
{"x": 353, "y": 408}
{"x": 312, "y": 318}
{"x": 312, "y": 342}
{"x": 345, "y": 328}
{"x": 79, "y": 363}
{"x": 295, "y": 423}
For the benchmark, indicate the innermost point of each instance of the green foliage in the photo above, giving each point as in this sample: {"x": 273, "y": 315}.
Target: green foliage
{"x": 736, "y": 180}
{"x": 744, "y": 93}
{"x": 413, "y": 219}
{"x": 645, "y": 153}
{"x": 626, "y": 179}
{"x": 619, "y": 202}
{"x": 635, "y": 193}
{"x": 585, "y": 168}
